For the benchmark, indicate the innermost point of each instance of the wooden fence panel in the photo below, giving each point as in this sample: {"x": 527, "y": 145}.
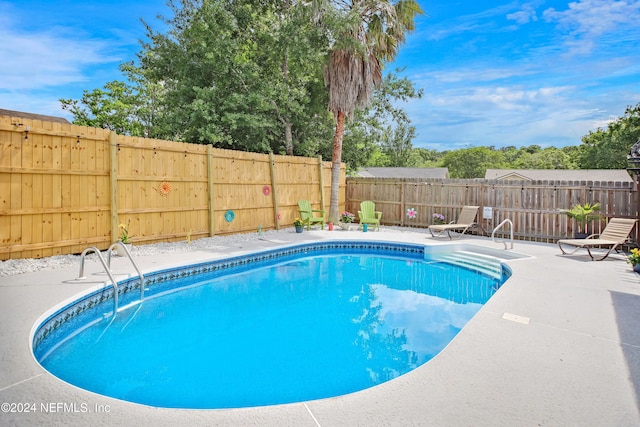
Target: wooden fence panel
{"x": 535, "y": 208}
{"x": 65, "y": 187}
{"x": 50, "y": 177}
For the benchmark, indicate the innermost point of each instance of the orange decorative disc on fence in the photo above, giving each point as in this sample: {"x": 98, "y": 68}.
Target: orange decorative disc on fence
{"x": 165, "y": 189}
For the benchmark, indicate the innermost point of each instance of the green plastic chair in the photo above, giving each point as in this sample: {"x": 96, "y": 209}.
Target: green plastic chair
{"x": 311, "y": 216}
{"x": 368, "y": 214}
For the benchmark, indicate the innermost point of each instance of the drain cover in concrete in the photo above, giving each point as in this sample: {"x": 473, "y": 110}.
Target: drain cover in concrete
{"x": 516, "y": 318}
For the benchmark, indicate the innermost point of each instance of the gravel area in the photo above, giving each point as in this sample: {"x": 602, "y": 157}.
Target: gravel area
{"x": 20, "y": 266}
{"x": 28, "y": 265}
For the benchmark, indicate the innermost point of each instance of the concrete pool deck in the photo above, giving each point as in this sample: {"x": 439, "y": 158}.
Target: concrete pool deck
{"x": 557, "y": 345}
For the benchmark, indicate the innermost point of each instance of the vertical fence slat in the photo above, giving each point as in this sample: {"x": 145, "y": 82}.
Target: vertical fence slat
{"x": 211, "y": 221}
{"x": 274, "y": 190}
{"x": 113, "y": 184}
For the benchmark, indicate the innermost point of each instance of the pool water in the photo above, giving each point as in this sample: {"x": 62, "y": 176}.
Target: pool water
{"x": 307, "y": 328}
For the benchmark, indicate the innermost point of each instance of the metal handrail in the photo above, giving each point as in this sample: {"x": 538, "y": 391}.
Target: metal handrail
{"x": 106, "y": 269}
{"x": 500, "y": 225}
{"x": 126, "y": 250}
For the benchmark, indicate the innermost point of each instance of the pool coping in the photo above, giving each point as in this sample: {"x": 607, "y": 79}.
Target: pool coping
{"x": 556, "y": 345}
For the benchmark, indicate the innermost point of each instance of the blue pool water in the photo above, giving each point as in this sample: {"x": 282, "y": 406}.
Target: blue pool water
{"x": 270, "y": 330}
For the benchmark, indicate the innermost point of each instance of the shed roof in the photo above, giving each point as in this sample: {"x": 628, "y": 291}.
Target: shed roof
{"x": 619, "y": 175}
{"x": 32, "y": 116}
{"x": 380, "y": 172}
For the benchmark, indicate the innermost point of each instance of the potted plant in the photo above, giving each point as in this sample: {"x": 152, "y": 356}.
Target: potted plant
{"x": 346, "y": 219}
{"x": 634, "y": 259}
{"x": 125, "y": 238}
{"x": 298, "y": 224}
{"x": 583, "y": 214}
{"x": 438, "y": 218}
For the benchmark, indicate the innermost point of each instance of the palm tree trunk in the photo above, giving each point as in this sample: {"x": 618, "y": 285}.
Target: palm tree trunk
{"x": 336, "y": 161}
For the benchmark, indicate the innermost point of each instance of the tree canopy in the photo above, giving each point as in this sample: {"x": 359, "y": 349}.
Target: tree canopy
{"x": 272, "y": 76}
{"x": 242, "y": 75}
{"x": 608, "y": 148}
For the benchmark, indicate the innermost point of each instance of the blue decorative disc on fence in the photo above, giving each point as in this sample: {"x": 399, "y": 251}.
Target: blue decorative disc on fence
{"x": 229, "y": 215}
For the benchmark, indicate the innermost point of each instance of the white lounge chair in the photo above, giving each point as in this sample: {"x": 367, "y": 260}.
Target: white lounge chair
{"x": 614, "y": 234}
{"x": 466, "y": 219}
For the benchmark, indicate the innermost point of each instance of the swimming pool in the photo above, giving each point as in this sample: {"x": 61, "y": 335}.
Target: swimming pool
{"x": 291, "y": 324}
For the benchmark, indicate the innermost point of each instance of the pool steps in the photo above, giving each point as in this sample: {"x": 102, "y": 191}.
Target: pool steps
{"x": 484, "y": 264}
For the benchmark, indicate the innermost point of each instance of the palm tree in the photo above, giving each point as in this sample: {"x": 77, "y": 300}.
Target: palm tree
{"x": 365, "y": 34}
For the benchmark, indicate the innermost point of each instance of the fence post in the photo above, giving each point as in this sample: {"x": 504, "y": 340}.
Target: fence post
{"x": 320, "y": 172}
{"x": 113, "y": 177}
{"x": 274, "y": 189}
{"x": 212, "y": 198}
{"x": 403, "y": 206}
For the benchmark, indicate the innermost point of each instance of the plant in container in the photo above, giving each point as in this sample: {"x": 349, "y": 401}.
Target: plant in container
{"x": 634, "y": 259}
{"x": 124, "y": 233}
{"x": 438, "y": 218}
{"x": 346, "y": 219}
{"x": 125, "y": 239}
{"x": 583, "y": 214}
{"x": 298, "y": 224}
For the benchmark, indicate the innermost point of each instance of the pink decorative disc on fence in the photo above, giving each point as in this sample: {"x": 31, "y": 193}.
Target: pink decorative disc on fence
{"x": 266, "y": 190}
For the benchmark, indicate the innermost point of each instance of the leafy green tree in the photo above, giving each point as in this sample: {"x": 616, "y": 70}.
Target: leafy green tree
{"x": 364, "y": 35}
{"x": 549, "y": 158}
{"x": 397, "y": 131}
{"x": 378, "y": 129}
{"x": 512, "y": 156}
{"x": 245, "y": 75}
{"x": 608, "y": 148}
{"x": 129, "y": 108}
{"x": 428, "y": 158}
{"x": 107, "y": 108}
{"x": 396, "y": 144}
{"x": 553, "y": 158}
{"x": 249, "y": 75}
{"x": 472, "y": 162}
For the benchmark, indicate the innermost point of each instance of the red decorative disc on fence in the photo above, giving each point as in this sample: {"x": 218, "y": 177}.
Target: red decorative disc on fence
{"x": 266, "y": 190}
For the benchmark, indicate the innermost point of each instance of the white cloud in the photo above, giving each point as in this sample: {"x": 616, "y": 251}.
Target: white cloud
{"x": 476, "y": 22}
{"x": 588, "y": 20}
{"x": 472, "y": 73}
{"x": 44, "y": 59}
{"x": 525, "y": 15}
{"x": 451, "y": 117}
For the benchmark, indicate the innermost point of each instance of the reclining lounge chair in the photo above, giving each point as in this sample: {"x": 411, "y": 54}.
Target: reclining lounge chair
{"x": 466, "y": 219}
{"x": 613, "y": 235}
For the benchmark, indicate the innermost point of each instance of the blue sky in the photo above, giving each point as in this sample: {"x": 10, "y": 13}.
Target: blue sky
{"x": 494, "y": 73}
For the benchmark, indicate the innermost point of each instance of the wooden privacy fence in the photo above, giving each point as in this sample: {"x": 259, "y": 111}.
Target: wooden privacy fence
{"x": 535, "y": 208}
{"x": 65, "y": 187}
